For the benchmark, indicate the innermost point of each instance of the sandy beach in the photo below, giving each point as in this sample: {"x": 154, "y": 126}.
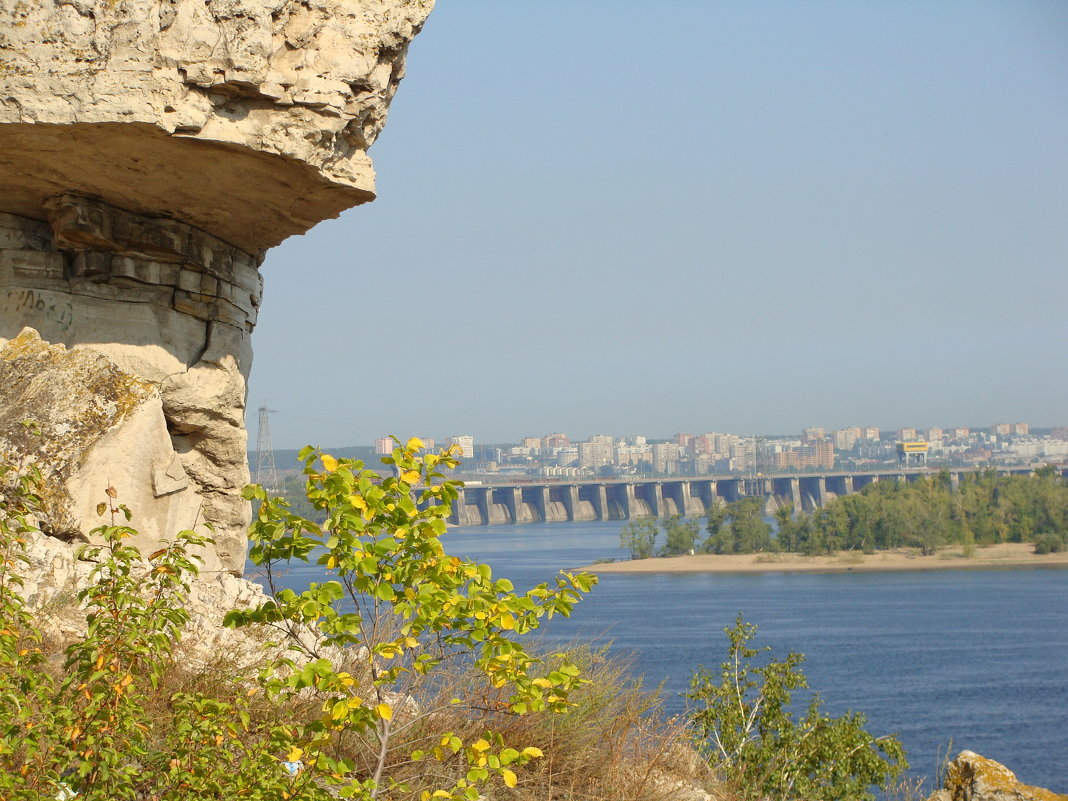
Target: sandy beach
{"x": 1003, "y": 556}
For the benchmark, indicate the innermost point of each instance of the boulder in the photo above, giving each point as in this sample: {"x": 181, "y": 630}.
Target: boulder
{"x": 971, "y": 777}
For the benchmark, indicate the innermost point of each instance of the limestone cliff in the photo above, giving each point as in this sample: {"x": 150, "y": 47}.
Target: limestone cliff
{"x": 150, "y": 151}
{"x": 249, "y": 119}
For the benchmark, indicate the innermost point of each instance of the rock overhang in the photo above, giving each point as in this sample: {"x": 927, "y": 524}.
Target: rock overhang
{"x": 249, "y": 198}
{"x": 249, "y": 119}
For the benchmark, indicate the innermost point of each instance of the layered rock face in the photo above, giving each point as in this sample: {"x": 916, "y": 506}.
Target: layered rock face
{"x": 150, "y": 152}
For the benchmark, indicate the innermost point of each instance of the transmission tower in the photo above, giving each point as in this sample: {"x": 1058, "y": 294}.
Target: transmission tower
{"x": 266, "y": 472}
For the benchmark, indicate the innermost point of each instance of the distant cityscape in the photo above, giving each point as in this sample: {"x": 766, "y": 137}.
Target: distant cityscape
{"x": 712, "y": 453}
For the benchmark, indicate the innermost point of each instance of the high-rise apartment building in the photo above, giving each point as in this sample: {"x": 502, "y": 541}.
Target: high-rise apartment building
{"x": 384, "y": 446}
{"x": 595, "y": 453}
{"x": 704, "y": 445}
{"x": 551, "y": 442}
{"x": 846, "y": 438}
{"x": 665, "y": 457}
{"x": 817, "y": 456}
{"x": 466, "y": 444}
{"x": 906, "y": 435}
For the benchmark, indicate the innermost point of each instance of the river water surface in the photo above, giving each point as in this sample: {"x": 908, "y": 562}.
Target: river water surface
{"x": 979, "y": 657}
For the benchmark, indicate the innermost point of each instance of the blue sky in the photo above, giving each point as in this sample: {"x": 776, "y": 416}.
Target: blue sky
{"x": 622, "y": 217}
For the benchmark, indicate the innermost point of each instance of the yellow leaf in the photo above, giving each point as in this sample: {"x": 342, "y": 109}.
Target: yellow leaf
{"x": 532, "y": 752}
{"x": 410, "y": 476}
{"x": 509, "y": 777}
{"x": 507, "y": 622}
{"x": 331, "y": 563}
{"x": 480, "y": 745}
{"x": 384, "y": 711}
{"x": 415, "y": 444}
{"x": 338, "y": 712}
{"x": 441, "y": 794}
{"x": 330, "y": 463}
{"x": 294, "y": 754}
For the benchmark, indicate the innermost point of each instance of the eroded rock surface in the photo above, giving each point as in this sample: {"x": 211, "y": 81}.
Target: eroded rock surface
{"x": 971, "y": 777}
{"x": 88, "y": 425}
{"x": 150, "y": 151}
{"x": 249, "y": 119}
{"x": 162, "y": 302}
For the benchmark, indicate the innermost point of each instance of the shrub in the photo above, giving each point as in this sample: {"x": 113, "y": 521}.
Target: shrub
{"x": 401, "y": 616}
{"x": 408, "y": 616}
{"x": 744, "y": 725}
{"x": 1048, "y": 543}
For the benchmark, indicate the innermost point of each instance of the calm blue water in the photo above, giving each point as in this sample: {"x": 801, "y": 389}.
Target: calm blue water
{"x": 979, "y": 657}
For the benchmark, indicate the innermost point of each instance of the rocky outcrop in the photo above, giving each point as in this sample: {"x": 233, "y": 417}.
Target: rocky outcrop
{"x": 150, "y": 151}
{"x": 971, "y": 777}
{"x": 88, "y": 425}
{"x": 248, "y": 119}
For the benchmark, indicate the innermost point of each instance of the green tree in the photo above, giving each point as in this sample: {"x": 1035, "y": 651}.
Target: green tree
{"x": 738, "y": 527}
{"x": 785, "y": 528}
{"x": 680, "y": 535}
{"x": 744, "y": 725}
{"x": 717, "y": 526}
{"x": 405, "y": 612}
{"x": 639, "y": 537}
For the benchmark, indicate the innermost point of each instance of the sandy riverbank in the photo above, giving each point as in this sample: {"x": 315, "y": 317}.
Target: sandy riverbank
{"x": 1005, "y": 556}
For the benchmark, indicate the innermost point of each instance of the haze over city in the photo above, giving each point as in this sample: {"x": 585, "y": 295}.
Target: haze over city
{"x": 617, "y": 217}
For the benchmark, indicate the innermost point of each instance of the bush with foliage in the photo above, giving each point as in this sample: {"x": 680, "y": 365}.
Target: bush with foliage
{"x": 400, "y": 615}
{"x": 639, "y": 537}
{"x": 743, "y": 723}
{"x": 407, "y": 615}
{"x": 738, "y": 527}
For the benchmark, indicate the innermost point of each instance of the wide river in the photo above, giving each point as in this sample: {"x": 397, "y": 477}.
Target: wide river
{"x": 976, "y": 657}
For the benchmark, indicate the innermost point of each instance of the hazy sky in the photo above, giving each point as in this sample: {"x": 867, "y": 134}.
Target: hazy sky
{"x": 623, "y": 217}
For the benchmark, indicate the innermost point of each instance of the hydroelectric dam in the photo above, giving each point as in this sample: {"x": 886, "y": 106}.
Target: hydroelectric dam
{"x": 576, "y": 501}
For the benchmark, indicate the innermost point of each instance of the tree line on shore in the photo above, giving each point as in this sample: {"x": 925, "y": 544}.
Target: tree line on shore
{"x": 928, "y": 513}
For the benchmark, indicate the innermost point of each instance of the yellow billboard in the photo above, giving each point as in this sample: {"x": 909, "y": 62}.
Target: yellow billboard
{"x": 912, "y": 447}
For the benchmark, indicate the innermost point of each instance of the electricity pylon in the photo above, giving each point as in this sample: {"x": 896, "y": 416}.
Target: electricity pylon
{"x": 266, "y": 472}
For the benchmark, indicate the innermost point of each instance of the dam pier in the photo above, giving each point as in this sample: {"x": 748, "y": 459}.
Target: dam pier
{"x": 624, "y": 499}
